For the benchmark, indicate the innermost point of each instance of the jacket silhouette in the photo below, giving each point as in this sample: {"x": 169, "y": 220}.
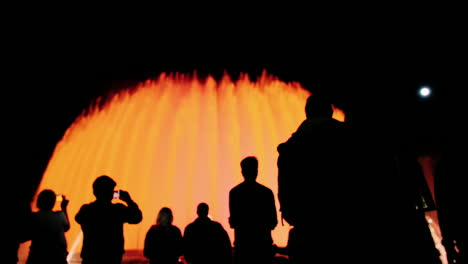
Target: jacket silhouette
{"x": 252, "y": 216}
{"x": 102, "y": 223}
{"x": 206, "y": 241}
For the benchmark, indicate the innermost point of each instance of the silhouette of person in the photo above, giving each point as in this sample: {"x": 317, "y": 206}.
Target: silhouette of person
{"x": 47, "y": 231}
{"x": 163, "y": 241}
{"x": 252, "y": 216}
{"x": 338, "y": 182}
{"x": 206, "y": 241}
{"x": 450, "y": 193}
{"x": 102, "y": 223}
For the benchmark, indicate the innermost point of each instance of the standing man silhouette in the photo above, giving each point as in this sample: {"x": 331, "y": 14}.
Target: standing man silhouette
{"x": 339, "y": 181}
{"x": 102, "y": 223}
{"x": 252, "y": 216}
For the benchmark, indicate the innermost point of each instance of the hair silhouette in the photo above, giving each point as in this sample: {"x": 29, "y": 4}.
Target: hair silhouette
{"x": 206, "y": 241}
{"x": 249, "y": 167}
{"x": 46, "y": 200}
{"x": 202, "y": 210}
{"x": 165, "y": 217}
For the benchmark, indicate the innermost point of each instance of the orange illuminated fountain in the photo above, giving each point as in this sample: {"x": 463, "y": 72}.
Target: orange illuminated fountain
{"x": 177, "y": 141}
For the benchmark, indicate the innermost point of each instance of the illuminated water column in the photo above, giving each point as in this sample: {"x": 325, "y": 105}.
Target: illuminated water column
{"x": 177, "y": 141}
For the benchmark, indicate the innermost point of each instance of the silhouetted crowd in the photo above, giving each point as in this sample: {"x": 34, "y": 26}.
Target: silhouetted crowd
{"x": 350, "y": 196}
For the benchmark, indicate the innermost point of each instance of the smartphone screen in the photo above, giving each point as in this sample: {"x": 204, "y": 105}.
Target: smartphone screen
{"x": 116, "y": 194}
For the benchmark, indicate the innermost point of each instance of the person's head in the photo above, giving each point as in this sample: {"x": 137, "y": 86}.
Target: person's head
{"x": 103, "y": 188}
{"x": 318, "y": 105}
{"x": 249, "y": 168}
{"x": 46, "y": 200}
{"x": 202, "y": 210}
{"x": 165, "y": 217}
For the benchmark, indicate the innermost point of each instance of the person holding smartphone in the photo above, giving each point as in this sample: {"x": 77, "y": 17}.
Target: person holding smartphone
{"x": 47, "y": 230}
{"x": 102, "y": 223}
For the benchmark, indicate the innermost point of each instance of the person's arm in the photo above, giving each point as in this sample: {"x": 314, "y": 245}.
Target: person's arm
{"x": 133, "y": 213}
{"x": 82, "y": 215}
{"x": 64, "y": 206}
{"x": 232, "y": 211}
{"x": 287, "y": 197}
{"x": 179, "y": 242}
{"x": 274, "y": 218}
{"x": 224, "y": 239}
{"x": 148, "y": 249}
{"x": 187, "y": 244}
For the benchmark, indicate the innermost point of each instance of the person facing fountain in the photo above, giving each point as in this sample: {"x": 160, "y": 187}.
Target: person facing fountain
{"x": 206, "y": 241}
{"x": 102, "y": 223}
{"x": 252, "y": 216}
{"x": 46, "y": 230}
{"x": 338, "y": 182}
{"x": 163, "y": 241}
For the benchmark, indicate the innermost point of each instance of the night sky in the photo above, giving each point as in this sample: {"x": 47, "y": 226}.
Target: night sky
{"x": 374, "y": 79}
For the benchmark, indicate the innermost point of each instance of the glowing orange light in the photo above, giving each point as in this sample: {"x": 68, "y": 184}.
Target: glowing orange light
{"x": 177, "y": 141}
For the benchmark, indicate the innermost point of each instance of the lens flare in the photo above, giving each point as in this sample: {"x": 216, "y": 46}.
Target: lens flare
{"x": 176, "y": 141}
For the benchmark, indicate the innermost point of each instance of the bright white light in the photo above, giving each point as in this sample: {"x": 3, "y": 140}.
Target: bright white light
{"x": 424, "y": 91}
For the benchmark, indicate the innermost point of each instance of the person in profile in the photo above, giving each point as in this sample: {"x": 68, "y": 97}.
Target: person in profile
{"x": 47, "y": 230}
{"x": 252, "y": 216}
{"x": 102, "y": 223}
{"x": 163, "y": 241}
{"x": 336, "y": 183}
{"x": 206, "y": 241}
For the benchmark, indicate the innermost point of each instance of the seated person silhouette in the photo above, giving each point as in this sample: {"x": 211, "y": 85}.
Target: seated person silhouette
{"x": 163, "y": 241}
{"x": 206, "y": 241}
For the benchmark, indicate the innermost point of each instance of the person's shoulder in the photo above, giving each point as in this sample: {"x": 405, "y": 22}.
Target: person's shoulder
{"x": 263, "y": 187}
{"x": 87, "y": 206}
{"x": 217, "y": 224}
{"x": 290, "y": 145}
{"x": 152, "y": 229}
{"x": 282, "y": 147}
{"x": 175, "y": 229}
{"x": 119, "y": 205}
{"x": 236, "y": 188}
{"x": 155, "y": 227}
{"x": 42, "y": 214}
{"x": 336, "y": 124}
{"x": 190, "y": 225}
{"x": 172, "y": 227}
{"x": 58, "y": 213}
